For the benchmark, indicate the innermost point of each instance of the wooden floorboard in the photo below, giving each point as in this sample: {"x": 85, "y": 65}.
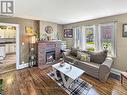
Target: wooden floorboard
{"x": 34, "y": 81}
{"x": 8, "y": 64}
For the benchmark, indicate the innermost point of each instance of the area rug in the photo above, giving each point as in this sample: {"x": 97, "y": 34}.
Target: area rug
{"x": 77, "y": 87}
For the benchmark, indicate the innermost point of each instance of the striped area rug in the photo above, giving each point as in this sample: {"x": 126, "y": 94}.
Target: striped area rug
{"x": 77, "y": 87}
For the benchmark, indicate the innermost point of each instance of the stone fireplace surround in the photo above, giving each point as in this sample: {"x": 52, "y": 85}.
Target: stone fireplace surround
{"x": 47, "y": 46}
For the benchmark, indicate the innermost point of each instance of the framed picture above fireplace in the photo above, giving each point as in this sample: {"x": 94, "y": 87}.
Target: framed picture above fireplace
{"x": 68, "y": 33}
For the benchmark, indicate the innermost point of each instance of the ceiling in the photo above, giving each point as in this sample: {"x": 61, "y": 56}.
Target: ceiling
{"x": 68, "y": 11}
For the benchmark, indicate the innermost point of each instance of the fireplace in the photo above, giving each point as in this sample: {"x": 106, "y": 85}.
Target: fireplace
{"x": 44, "y": 50}
{"x": 50, "y": 57}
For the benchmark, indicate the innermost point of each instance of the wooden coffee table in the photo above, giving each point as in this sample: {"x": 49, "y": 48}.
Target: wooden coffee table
{"x": 68, "y": 70}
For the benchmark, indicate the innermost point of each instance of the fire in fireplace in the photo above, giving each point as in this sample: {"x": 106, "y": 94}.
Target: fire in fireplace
{"x": 50, "y": 56}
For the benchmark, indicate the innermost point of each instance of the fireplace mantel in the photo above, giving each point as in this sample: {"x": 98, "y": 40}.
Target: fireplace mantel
{"x": 47, "y": 46}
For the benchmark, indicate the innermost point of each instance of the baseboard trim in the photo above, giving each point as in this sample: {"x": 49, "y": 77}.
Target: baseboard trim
{"x": 115, "y": 71}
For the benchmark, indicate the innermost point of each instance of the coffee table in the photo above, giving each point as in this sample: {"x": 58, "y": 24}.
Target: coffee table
{"x": 68, "y": 70}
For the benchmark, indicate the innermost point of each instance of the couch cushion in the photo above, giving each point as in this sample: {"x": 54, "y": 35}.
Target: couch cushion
{"x": 73, "y": 52}
{"x": 70, "y": 58}
{"x": 85, "y": 57}
{"x": 91, "y": 64}
{"x": 79, "y": 55}
{"x": 86, "y": 51}
{"x": 98, "y": 57}
{"x": 89, "y": 68}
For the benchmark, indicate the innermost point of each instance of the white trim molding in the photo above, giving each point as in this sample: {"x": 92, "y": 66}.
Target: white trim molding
{"x": 116, "y": 71}
{"x": 17, "y": 42}
{"x": 18, "y": 65}
{"x": 22, "y": 66}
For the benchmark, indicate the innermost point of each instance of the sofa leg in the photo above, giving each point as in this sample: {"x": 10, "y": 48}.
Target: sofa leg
{"x": 121, "y": 79}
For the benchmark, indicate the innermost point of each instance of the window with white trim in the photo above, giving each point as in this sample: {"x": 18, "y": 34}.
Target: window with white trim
{"x": 95, "y": 38}
{"x": 89, "y": 38}
{"x": 107, "y": 38}
{"x": 77, "y": 37}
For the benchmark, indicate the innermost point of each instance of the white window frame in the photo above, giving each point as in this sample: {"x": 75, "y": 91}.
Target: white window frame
{"x": 84, "y": 36}
{"x": 113, "y": 38}
{"x": 76, "y": 38}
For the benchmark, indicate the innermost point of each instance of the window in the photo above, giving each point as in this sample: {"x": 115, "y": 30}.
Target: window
{"x": 89, "y": 38}
{"x": 77, "y": 37}
{"x": 95, "y": 38}
{"x": 107, "y": 38}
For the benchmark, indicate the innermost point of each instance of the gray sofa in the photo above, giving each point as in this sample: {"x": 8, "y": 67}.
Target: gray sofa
{"x": 99, "y": 71}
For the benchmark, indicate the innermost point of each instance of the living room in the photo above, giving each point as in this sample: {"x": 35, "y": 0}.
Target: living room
{"x": 66, "y": 50}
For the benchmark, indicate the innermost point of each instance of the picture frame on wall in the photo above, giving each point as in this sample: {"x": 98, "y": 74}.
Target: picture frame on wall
{"x": 68, "y": 33}
{"x": 124, "y": 30}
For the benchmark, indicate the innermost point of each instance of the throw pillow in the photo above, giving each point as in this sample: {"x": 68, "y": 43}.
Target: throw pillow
{"x": 85, "y": 57}
{"x": 79, "y": 55}
{"x": 73, "y": 52}
{"x": 98, "y": 57}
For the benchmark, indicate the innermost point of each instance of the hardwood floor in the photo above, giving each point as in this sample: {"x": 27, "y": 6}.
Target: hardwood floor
{"x": 33, "y": 81}
{"x": 8, "y": 64}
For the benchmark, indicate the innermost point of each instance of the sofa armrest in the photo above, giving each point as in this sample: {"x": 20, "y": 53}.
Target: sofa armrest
{"x": 65, "y": 54}
{"x": 104, "y": 69}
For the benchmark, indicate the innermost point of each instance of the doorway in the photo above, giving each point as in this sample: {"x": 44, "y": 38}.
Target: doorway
{"x": 9, "y": 47}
